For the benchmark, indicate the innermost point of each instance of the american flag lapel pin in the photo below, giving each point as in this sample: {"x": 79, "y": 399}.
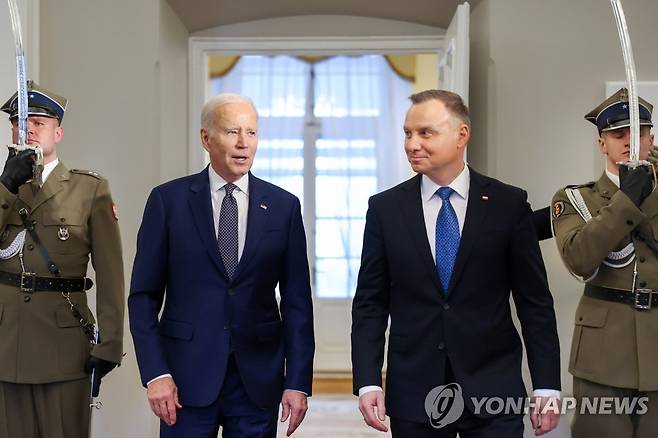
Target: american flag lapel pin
{"x": 485, "y": 198}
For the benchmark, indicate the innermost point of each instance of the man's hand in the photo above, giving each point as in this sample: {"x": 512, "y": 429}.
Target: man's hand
{"x": 101, "y": 366}
{"x": 636, "y": 183}
{"x": 544, "y": 414}
{"x": 18, "y": 169}
{"x": 293, "y": 405}
{"x": 371, "y": 405}
{"x": 163, "y": 398}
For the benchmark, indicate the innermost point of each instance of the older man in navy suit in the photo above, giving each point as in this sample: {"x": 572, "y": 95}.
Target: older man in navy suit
{"x": 441, "y": 254}
{"x": 212, "y": 248}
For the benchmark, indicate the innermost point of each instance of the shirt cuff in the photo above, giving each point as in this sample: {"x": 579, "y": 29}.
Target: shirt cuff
{"x": 550, "y": 393}
{"x": 370, "y": 388}
{"x": 158, "y": 378}
{"x": 296, "y": 390}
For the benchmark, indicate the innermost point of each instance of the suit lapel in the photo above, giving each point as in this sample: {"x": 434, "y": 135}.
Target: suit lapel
{"x": 476, "y": 213}
{"x": 51, "y": 187}
{"x": 201, "y": 206}
{"x": 412, "y": 209}
{"x": 256, "y": 221}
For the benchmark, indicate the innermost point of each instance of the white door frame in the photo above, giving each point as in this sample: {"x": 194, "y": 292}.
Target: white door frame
{"x": 331, "y": 357}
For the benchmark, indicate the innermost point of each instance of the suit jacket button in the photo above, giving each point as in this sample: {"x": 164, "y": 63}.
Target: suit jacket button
{"x": 442, "y": 346}
{"x": 642, "y": 259}
{"x": 227, "y": 326}
{"x": 231, "y": 292}
{"x": 446, "y": 306}
{"x": 30, "y": 247}
{"x": 27, "y": 298}
{"x": 5, "y": 206}
{"x": 643, "y": 283}
{"x": 629, "y": 222}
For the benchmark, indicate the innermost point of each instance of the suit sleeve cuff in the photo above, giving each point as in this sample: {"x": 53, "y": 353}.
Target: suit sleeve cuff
{"x": 158, "y": 378}
{"x": 371, "y": 388}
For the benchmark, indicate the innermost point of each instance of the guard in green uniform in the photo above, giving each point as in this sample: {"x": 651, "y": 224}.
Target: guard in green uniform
{"x": 607, "y": 234}
{"x": 48, "y": 234}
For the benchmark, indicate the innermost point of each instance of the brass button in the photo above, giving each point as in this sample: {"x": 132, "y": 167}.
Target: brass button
{"x": 62, "y": 219}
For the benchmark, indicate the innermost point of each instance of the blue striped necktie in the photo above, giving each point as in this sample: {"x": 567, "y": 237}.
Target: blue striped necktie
{"x": 447, "y": 238}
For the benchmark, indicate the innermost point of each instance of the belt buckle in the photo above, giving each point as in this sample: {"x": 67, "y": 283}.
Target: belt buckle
{"x": 643, "y": 298}
{"x": 28, "y": 281}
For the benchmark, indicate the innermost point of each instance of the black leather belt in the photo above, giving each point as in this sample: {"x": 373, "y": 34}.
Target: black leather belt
{"x": 29, "y": 282}
{"x": 642, "y": 299}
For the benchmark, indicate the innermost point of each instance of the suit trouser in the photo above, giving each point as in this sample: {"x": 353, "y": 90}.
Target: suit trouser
{"x": 238, "y": 416}
{"x": 618, "y": 425}
{"x": 467, "y": 426}
{"x": 47, "y": 410}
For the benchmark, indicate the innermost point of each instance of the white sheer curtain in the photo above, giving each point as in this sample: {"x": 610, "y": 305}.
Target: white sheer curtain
{"x": 277, "y": 86}
{"x": 359, "y": 105}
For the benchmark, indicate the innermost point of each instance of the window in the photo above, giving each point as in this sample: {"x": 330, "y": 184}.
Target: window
{"x": 331, "y": 133}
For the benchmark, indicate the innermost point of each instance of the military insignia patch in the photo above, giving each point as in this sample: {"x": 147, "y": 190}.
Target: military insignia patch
{"x": 63, "y": 233}
{"x": 114, "y": 212}
{"x": 558, "y": 209}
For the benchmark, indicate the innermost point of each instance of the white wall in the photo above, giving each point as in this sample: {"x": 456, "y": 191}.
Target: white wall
{"x": 123, "y": 67}
{"x": 537, "y": 68}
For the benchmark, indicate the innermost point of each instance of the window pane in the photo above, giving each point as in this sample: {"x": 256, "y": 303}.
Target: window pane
{"x": 332, "y": 277}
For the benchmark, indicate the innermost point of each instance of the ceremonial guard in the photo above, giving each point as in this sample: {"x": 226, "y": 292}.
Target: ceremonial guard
{"x": 607, "y": 234}
{"x": 49, "y": 230}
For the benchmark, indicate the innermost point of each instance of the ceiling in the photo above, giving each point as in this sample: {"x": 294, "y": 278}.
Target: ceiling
{"x": 210, "y": 13}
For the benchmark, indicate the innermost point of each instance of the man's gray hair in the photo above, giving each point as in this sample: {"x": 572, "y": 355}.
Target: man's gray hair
{"x": 216, "y": 102}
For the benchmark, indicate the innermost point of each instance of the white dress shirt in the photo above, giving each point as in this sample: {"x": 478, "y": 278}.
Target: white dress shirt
{"x": 432, "y": 203}
{"x": 241, "y": 195}
{"x": 48, "y": 169}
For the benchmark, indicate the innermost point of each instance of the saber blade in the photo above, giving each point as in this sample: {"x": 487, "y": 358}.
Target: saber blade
{"x": 631, "y": 79}
{"x": 21, "y": 72}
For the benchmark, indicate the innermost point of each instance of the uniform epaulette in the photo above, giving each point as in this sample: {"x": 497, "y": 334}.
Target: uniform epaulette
{"x": 87, "y": 172}
{"x": 578, "y": 186}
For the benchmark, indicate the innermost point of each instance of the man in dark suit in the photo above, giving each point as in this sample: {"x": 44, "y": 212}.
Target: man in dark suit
{"x": 212, "y": 248}
{"x": 441, "y": 253}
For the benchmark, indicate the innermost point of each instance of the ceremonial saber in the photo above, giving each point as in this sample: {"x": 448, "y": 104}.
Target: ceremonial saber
{"x": 631, "y": 80}
{"x": 21, "y": 79}
{"x": 21, "y": 72}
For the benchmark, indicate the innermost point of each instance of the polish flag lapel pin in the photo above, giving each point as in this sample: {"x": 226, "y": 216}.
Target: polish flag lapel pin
{"x": 485, "y": 198}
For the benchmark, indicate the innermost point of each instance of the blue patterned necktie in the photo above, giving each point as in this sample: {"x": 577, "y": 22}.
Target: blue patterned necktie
{"x": 227, "y": 231}
{"x": 447, "y": 238}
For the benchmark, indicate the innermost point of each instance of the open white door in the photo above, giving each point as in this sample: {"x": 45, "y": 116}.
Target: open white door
{"x": 454, "y": 59}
